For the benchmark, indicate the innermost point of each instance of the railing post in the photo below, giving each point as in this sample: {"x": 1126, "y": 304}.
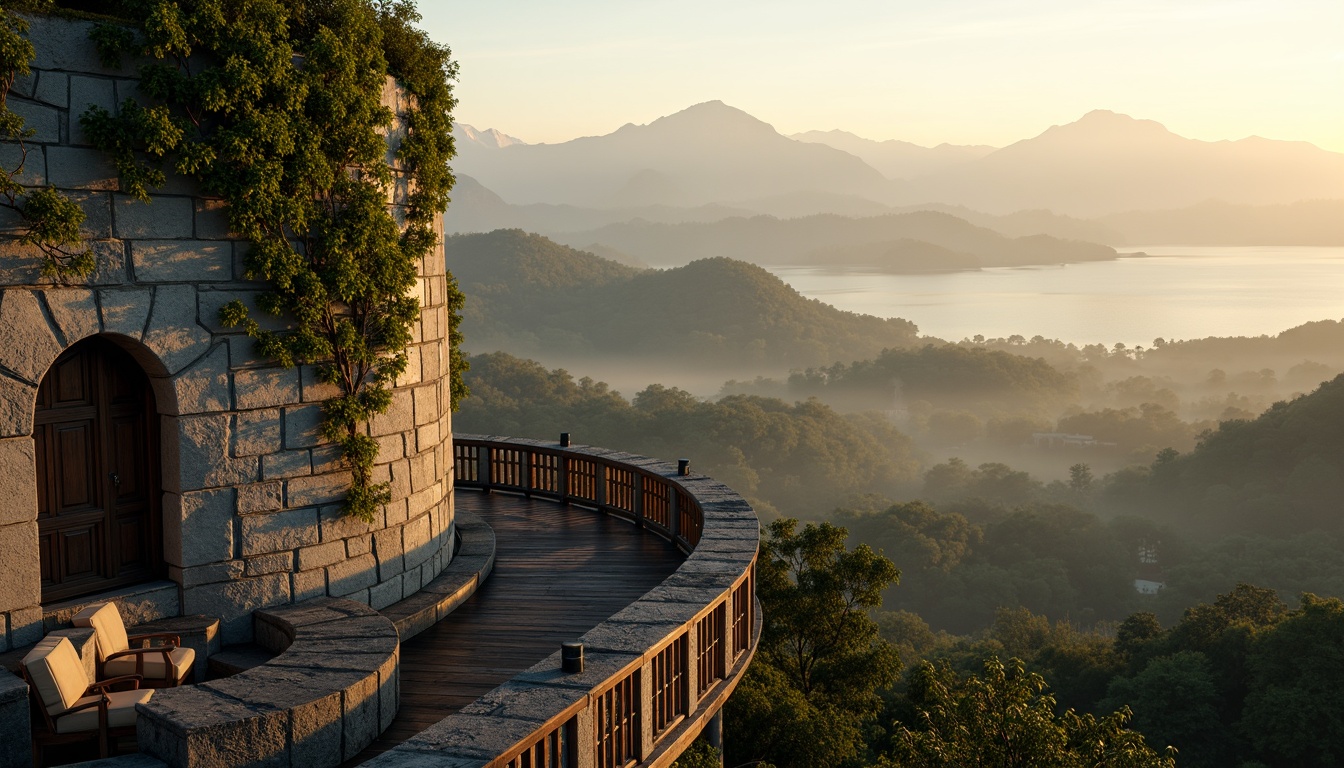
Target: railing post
{"x": 637, "y": 498}
{"x": 673, "y": 511}
{"x": 562, "y": 478}
{"x": 526, "y": 471}
{"x": 483, "y": 468}
{"x": 600, "y": 480}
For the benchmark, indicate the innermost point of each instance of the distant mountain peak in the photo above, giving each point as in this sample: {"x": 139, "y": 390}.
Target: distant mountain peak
{"x": 488, "y": 137}
{"x": 713, "y": 115}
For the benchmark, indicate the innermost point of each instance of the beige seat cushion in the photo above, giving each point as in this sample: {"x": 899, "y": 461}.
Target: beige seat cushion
{"x": 181, "y": 660}
{"x": 57, "y": 673}
{"x": 120, "y": 713}
{"x": 107, "y": 625}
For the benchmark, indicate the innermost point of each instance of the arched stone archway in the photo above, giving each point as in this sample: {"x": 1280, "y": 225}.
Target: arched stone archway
{"x": 95, "y": 434}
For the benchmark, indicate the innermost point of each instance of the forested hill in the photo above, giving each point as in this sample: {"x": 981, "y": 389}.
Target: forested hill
{"x": 1281, "y": 472}
{"x": 839, "y": 240}
{"x": 528, "y": 295}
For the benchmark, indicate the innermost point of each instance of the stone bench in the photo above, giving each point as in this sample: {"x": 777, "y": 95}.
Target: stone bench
{"x": 332, "y": 688}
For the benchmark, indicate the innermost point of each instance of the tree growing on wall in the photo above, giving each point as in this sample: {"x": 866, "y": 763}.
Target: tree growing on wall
{"x": 277, "y": 107}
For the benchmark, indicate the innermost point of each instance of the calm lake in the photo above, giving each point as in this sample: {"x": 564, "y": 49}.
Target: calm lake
{"x": 1176, "y": 292}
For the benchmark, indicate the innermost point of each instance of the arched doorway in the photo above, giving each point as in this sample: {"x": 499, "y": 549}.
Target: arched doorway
{"x": 98, "y": 488}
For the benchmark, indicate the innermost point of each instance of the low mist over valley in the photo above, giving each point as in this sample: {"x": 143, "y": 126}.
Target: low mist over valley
{"x": 1079, "y": 504}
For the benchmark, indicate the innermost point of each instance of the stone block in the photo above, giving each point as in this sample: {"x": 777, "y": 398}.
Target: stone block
{"x": 80, "y": 168}
{"x": 44, "y": 120}
{"x": 338, "y": 526}
{"x": 211, "y": 301}
{"x": 417, "y": 541}
{"x": 391, "y": 447}
{"x": 25, "y": 624}
{"x": 388, "y": 547}
{"x": 328, "y": 459}
{"x": 395, "y": 512}
{"x": 97, "y": 225}
{"x": 321, "y": 555}
{"x": 352, "y": 575}
{"x": 18, "y": 483}
{"x": 180, "y": 261}
{"x": 198, "y": 527}
{"x": 431, "y": 367}
{"x": 28, "y": 344}
{"x": 256, "y": 432}
{"x": 212, "y": 222}
{"x": 278, "y": 562}
{"x": 362, "y": 719}
{"x": 422, "y": 502}
{"x": 314, "y": 389}
{"x": 234, "y": 601}
{"x": 317, "y": 489}
{"x": 424, "y": 473}
{"x": 196, "y": 454}
{"x": 385, "y": 594}
{"x": 309, "y": 584}
{"x": 411, "y": 376}
{"x": 426, "y": 405}
{"x": 52, "y": 88}
{"x": 210, "y": 574}
{"x": 20, "y": 580}
{"x": 203, "y": 386}
{"x": 85, "y": 93}
{"x": 260, "y": 497}
{"x": 63, "y": 44}
{"x": 172, "y": 332}
{"x": 15, "y": 749}
{"x": 400, "y": 417}
{"x": 303, "y": 426}
{"x": 17, "y": 399}
{"x": 75, "y": 311}
{"x": 359, "y": 545}
{"x": 286, "y": 464}
{"x": 197, "y": 726}
{"x": 161, "y": 217}
{"x": 266, "y": 388}
{"x": 125, "y": 310}
{"x": 279, "y": 531}
{"x": 33, "y": 174}
{"x": 400, "y": 482}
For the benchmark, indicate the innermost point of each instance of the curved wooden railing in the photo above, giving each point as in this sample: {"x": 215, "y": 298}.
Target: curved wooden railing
{"x": 658, "y": 671}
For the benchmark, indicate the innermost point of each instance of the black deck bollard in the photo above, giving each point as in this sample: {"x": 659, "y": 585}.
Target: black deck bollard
{"x": 571, "y": 657}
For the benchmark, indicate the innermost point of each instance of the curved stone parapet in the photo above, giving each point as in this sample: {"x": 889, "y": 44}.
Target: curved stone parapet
{"x": 328, "y": 694}
{"x": 657, "y": 671}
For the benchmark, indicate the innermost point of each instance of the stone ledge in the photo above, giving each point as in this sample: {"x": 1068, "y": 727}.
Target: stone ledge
{"x": 464, "y": 575}
{"x": 331, "y": 690}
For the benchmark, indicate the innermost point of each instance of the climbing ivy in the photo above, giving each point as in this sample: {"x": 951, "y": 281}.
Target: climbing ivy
{"x": 276, "y": 107}
{"x": 51, "y": 220}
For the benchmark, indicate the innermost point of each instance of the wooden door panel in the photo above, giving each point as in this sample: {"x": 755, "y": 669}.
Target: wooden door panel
{"x": 77, "y": 489}
{"x": 95, "y": 433}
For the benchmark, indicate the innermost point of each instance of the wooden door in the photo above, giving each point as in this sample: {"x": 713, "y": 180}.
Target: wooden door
{"x": 96, "y": 436}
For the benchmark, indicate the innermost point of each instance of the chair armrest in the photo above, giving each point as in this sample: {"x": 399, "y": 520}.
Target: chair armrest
{"x": 101, "y": 702}
{"x": 157, "y": 649}
{"x": 102, "y": 685}
{"x": 168, "y": 638}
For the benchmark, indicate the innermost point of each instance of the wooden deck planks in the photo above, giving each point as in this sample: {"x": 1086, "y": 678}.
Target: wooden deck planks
{"x": 559, "y": 571}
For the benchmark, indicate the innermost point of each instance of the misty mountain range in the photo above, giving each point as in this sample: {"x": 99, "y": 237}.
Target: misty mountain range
{"x": 711, "y": 162}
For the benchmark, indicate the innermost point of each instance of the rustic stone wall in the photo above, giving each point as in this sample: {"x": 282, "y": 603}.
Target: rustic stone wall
{"x": 251, "y": 495}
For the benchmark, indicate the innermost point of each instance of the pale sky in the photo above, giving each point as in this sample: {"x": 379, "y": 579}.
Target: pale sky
{"x": 961, "y": 71}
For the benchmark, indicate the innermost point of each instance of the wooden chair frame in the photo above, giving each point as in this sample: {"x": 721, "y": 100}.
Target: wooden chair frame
{"x": 170, "y": 643}
{"x": 47, "y": 736}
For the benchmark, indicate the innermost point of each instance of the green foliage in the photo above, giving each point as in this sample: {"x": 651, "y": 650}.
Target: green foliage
{"x": 52, "y": 220}
{"x": 799, "y": 457}
{"x": 1005, "y": 718}
{"x": 820, "y": 662}
{"x": 699, "y": 755}
{"x": 943, "y": 375}
{"x": 532, "y": 296}
{"x": 277, "y": 107}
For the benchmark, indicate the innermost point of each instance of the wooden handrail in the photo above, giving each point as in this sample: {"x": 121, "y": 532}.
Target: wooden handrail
{"x": 657, "y": 671}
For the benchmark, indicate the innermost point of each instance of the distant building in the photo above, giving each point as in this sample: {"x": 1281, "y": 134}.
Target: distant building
{"x": 1149, "y": 580}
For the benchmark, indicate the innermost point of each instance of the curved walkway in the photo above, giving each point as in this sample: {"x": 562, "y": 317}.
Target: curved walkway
{"x": 559, "y": 571}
